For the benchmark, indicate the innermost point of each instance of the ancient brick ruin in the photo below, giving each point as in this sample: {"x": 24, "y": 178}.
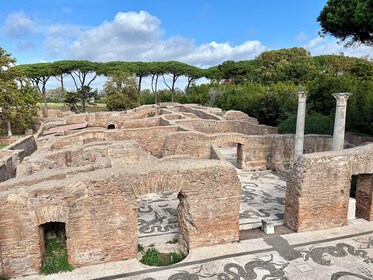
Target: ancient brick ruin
{"x": 88, "y": 179}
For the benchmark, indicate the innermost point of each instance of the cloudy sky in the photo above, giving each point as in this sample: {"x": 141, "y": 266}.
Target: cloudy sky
{"x": 198, "y": 32}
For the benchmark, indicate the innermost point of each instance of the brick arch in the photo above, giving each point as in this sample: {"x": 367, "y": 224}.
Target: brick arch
{"x": 156, "y": 184}
{"x": 206, "y": 206}
{"x": 234, "y": 138}
{"x": 49, "y": 214}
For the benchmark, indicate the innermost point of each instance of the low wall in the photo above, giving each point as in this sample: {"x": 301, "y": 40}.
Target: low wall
{"x": 150, "y": 139}
{"x": 100, "y": 211}
{"x": 256, "y": 152}
{"x": 357, "y": 140}
{"x": 200, "y": 113}
{"x": 97, "y": 155}
{"x": 317, "y": 194}
{"x": 213, "y": 126}
{"x": 12, "y": 155}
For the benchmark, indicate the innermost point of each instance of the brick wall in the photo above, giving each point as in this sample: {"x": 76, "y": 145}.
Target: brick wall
{"x": 99, "y": 209}
{"x": 319, "y": 188}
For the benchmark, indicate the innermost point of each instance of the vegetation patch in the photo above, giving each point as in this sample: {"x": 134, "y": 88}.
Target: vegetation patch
{"x": 153, "y": 257}
{"x": 3, "y": 146}
{"x": 56, "y": 257}
{"x": 2, "y": 277}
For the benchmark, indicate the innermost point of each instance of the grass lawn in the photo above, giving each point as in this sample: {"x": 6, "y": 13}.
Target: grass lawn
{"x": 3, "y": 145}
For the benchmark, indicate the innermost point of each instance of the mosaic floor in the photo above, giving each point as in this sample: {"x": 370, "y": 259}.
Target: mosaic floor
{"x": 262, "y": 197}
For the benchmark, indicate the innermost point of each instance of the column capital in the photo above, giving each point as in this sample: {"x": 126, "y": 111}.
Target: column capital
{"x": 302, "y": 96}
{"x": 342, "y": 97}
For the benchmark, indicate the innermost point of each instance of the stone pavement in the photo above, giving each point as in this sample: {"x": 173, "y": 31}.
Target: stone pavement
{"x": 338, "y": 253}
{"x": 262, "y": 197}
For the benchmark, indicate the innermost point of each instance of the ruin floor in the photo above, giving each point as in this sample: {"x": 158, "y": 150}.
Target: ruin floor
{"x": 262, "y": 197}
{"x": 338, "y": 253}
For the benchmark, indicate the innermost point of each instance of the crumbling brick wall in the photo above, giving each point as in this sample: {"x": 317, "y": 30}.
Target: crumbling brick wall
{"x": 318, "y": 191}
{"x": 100, "y": 211}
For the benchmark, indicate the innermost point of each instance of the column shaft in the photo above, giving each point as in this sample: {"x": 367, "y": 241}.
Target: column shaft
{"x": 299, "y": 134}
{"x": 340, "y": 120}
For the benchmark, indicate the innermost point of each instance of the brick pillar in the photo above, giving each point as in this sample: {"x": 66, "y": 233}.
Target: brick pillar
{"x": 340, "y": 120}
{"x": 299, "y": 134}
{"x": 364, "y": 197}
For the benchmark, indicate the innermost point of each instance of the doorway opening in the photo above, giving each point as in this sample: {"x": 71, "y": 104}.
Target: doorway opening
{"x": 111, "y": 126}
{"x": 232, "y": 152}
{"x": 53, "y": 248}
{"x": 351, "y": 215}
{"x": 158, "y": 231}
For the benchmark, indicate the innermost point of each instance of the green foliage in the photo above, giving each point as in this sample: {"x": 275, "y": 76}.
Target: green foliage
{"x": 3, "y": 145}
{"x": 121, "y": 92}
{"x": 320, "y": 91}
{"x": 78, "y": 100}
{"x": 56, "y": 264}
{"x": 18, "y": 99}
{"x": 3, "y": 277}
{"x": 198, "y": 94}
{"x": 314, "y": 124}
{"x": 263, "y": 87}
{"x": 351, "y": 21}
{"x": 56, "y": 95}
{"x": 56, "y": 259}
{"x": 153, "y": 257}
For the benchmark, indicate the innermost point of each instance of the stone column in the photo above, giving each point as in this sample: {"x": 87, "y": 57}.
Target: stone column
{"x": 299, "y": 134}
{"x": 340, "y": 120}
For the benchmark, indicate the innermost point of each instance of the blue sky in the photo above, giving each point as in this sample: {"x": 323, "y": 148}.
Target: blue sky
{"x": 202, "y": 33}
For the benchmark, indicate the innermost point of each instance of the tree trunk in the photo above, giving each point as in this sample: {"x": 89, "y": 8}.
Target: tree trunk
{"x": 139, "y": 88}
{"x": 9, "y": 129}
{"x": 83, "y": 101}
{"x": 45, "y": 105}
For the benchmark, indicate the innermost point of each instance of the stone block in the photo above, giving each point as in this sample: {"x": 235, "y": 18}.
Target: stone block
{"x": 268, "y": 226}
{"x": 351, "y": 209}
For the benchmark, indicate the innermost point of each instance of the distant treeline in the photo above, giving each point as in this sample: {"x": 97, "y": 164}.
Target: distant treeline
{"x": 264, "y": 87}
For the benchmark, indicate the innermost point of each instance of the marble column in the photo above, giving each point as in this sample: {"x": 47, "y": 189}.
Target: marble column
{"x": 299, "y": 134}
{"x": 340, "y": 120}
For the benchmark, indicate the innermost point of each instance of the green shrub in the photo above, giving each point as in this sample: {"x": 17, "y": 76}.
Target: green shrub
{"x": 3, "y": 277}
{"x": 55, "y": 264}
{"x": 314, "y": 124}
{"x": 153, "y": 257}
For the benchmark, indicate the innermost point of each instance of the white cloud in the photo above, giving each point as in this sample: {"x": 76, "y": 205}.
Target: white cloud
{"x": 301, "y": 36}
{"x": 58, "y": 38}
{"x": 215, "y": 53}
{"x": 319, "y": 46}
{"x": 19, "y": 25}
{"x": 135, "y": 36}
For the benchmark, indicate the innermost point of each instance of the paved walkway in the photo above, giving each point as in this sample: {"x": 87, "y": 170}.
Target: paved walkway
{"x": 339, "y": 253}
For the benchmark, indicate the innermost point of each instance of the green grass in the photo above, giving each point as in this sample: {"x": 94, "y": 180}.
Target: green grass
{"x": 2, "y": 277}
{"x": 55, "y": 264}
{"x": 3, "y": 146}
{"x": 56, "y": 257}
{"x": 153, "y": 257}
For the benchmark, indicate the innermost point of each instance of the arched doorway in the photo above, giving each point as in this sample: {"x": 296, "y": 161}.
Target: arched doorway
{"x": 158, "y": 229}
{"x": 111, "y": 126}
{"x": 232, "y": 152}
{"x": 53, "y": 248}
